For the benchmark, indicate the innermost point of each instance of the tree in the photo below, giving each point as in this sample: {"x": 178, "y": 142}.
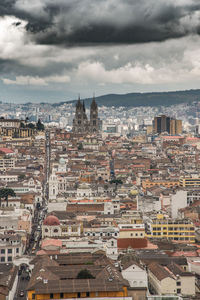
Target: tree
{"x": 39, "y": 125}
{"x": 85, "y": 274}
{"x": 31, "y": 125}
{"x": 116, "y": 181}
{"x": 22, "y": 125}
{"x": 21, "y": 177}
{"x": 5, "y": 193}
{"x": 80, "y": 146}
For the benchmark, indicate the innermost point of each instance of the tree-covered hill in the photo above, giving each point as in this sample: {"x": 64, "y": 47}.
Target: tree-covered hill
{"x": 144, "y": 99}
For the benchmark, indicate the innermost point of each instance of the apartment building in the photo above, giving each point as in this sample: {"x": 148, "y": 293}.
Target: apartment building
{"x": 189, "y": 182}
{"x": 10, "y": 247}
{"x": 172, "y": 229}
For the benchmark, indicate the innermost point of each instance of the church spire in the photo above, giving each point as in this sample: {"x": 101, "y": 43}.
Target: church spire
{"x": 93, "y": 104}
{"x": 79, "y": 104}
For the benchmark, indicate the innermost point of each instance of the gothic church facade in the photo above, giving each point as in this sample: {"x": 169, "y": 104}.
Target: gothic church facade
{"x": 81, "y": 124}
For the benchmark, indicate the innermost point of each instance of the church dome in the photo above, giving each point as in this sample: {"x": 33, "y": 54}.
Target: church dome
{"x": 51, "y": 221}
{"x": 62, "y": 161}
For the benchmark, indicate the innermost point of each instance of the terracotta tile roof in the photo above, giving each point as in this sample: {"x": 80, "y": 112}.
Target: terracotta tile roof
{"x": 159, "y": 271}
{"x": 50, "y": 277}
{"x": 51, "y": 242}
{"x": 6, "y": 150}
{"x": 135, "y": 243}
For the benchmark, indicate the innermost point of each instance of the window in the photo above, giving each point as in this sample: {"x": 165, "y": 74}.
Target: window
{"x": 33, "y": 296}
{"x": 51, "y": 296}
{"x": 9, "y": 250}
{"x": 87, "y": 294}
{"x": 136, "y": 234}
{"x": 78, "y": 295}
{"x": 2, "y": 259}
{"x": 17, "y": 250}
{"x": 178, "y": 291}
{"x": 74, "y": 229}
{"x": 9, "y": 258}
{"x": 178, "y": 283}
{"x": 46, "y": 230}
{"x": 55, "y": 230}
{"x": 61, "y": 295}
{"x": 2, "y": 251}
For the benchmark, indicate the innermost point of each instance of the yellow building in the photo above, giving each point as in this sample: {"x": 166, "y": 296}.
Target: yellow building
{"x": 167, "y": 183}
{"x": 189, "y": 182}
{"x": 173, "y": 127}
{"x": 131, "y": 231}
{"x": 175, "y": 230}
{"x": 149, "y": 129}
{"x": 179, "y": 129}
{"x": 17, "y": 132}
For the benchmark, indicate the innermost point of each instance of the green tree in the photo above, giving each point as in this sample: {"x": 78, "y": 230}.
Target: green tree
{"x": 21, "y": 177}
{"x": 85, "y": 274}
{"x": 5, "y": 193}
{"x": 39, "y": 125}
{"x": 116, "y": 181}
{"x": 31, "y": 125}
{"x": 80, "y": 146}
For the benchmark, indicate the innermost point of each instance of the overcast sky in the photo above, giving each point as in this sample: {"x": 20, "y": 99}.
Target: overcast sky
{"x": 52, "y": 50}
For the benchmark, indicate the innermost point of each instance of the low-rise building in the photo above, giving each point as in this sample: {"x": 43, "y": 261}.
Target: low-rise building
{"x": 10, "y": 247}
{"x": 171, "y": 279}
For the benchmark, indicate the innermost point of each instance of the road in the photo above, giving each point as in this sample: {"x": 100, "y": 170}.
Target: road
{"x": 39, "y": 214}
{"x": 21, "y": 286}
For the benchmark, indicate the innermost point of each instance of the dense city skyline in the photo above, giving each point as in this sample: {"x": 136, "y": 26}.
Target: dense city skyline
{"x": 53, "y": 51}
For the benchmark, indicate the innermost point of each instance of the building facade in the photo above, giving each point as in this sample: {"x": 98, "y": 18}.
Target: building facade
{"x": 81, "y": 124}
{"x": 166, "y": 124}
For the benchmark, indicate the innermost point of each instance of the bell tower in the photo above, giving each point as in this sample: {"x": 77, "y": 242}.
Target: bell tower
{"x": 94, "y": 121}
{"x": 80, "y": 122}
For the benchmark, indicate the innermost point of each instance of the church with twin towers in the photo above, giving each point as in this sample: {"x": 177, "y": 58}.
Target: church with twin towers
{"x": 81, "y": 124}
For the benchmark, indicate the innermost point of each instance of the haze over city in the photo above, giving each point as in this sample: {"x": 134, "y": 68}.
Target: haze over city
{"x": 53, "y": 50}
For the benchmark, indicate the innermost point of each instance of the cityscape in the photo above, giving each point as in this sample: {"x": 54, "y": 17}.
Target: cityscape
{"x": 99, "y": 202}
{"x": 99, "y": 150}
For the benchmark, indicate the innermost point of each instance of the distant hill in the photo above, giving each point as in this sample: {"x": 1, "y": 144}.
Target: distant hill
{"x": 143, "y": 99}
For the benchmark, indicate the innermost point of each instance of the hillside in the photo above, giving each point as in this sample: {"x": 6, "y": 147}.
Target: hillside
{"x": 144, "y": 99}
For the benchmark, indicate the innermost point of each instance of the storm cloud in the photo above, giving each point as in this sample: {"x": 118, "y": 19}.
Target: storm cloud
{"x": 88, "y": 22}
{"x": 99, "y": 45}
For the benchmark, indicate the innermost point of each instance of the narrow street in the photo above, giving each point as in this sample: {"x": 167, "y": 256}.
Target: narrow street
{"x": 37, "y": 219}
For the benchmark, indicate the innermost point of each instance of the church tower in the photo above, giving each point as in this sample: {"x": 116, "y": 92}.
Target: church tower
{"x": 80, "y": 122}
{"x": 94, "y": 121}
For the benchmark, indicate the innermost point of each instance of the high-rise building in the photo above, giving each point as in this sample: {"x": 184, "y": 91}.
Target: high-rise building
{"x": 166, "y": 124}
{"x": 81, "y": 124}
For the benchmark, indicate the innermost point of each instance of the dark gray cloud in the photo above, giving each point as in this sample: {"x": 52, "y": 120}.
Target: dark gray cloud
{"x": 95, "y": 22}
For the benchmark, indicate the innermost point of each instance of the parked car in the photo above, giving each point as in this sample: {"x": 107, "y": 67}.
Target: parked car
{"x": 21, "y": 293}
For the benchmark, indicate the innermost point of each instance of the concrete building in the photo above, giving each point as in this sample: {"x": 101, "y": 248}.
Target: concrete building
{"x": 171, "y": 229}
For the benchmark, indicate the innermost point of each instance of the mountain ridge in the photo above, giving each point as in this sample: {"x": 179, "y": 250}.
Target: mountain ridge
{"x": 143, "y": 99}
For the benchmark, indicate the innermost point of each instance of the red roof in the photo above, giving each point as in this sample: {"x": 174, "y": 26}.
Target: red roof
{"x": 51, "y": 221}
{"x": 135, "y": 243}
{"x": 6, "y": 150}
{"x": 51, "y": 242}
